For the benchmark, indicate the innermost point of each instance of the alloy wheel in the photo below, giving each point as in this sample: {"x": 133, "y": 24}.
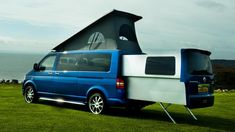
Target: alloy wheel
{"x": 96, "y": 103}
{"x": 29, "y": 94}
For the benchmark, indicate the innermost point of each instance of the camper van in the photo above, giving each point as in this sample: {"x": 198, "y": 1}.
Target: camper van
{"x": 103, "y": 78}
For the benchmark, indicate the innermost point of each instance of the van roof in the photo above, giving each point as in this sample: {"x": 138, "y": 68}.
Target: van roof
{"x": 87, "y": 51}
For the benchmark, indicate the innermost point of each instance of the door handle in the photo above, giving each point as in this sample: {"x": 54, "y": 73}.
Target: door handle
{"x": 50, "y": 73}
{"x": 57, "y": 73}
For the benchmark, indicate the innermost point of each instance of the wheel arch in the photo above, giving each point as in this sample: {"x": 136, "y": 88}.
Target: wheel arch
{"x": 98, "y": 89}
{"x": 29, "y": 83}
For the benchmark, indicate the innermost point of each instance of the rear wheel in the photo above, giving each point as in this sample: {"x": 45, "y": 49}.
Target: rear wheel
{"x": 96, "y": 103}
{"x": 30, "y": 95}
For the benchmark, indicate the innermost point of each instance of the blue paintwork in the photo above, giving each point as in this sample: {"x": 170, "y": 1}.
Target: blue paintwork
{"x": 76, "y": 85}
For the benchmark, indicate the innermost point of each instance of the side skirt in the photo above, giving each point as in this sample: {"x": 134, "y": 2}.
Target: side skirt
{"x": 62, "y": 101}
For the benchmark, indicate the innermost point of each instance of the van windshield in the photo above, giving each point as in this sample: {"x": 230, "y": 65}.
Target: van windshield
{"x": 199, "y": 63}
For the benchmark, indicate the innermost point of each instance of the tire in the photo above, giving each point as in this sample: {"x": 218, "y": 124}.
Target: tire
{"x": 30, "y": 95}
{"x": 96, "y": 103}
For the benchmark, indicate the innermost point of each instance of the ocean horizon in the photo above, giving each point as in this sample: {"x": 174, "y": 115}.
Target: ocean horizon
{"x": 16, "y": 65}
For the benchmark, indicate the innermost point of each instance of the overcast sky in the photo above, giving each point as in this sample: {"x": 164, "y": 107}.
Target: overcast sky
{"x": 40, "y": 25}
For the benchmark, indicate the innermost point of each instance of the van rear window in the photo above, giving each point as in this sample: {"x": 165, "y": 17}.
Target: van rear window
{"x": 198, "y": 63}
{"x": 160, "y": 66}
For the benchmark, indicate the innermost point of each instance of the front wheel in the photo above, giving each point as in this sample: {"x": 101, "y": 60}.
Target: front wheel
{"x": 96, "y": 103}
{"x": 30, "y": 95}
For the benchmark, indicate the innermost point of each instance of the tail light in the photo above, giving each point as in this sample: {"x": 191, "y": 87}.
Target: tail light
{"x": 119, "y": 83}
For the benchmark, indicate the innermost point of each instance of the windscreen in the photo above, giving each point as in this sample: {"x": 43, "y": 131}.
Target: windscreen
{"x": 198, "y": 63}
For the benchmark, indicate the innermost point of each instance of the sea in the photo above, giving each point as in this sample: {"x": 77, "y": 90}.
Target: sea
{"x": 16, "y": 65}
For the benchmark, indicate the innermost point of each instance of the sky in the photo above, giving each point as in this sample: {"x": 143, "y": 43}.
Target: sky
{"x": 37, "y": 26}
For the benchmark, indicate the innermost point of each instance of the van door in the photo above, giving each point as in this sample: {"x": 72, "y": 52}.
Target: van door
{"x": 78, "y": 72}
{"x": 44, "y": 78}
{"x": 96, "y": 71}
{"x": 66, "y": 76}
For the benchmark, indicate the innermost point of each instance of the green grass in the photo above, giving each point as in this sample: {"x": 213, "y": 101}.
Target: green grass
{"x": 16, "y": 115}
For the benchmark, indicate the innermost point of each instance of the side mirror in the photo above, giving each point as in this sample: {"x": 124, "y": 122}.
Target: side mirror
{"x": 36, "y": 67}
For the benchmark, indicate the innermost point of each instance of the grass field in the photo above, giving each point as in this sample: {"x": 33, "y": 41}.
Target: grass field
{"x": 16, "y": 115}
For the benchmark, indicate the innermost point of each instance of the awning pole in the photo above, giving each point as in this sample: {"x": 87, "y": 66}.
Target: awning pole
{"x": 191, "y": 113}
{"x": 165, "y": 109}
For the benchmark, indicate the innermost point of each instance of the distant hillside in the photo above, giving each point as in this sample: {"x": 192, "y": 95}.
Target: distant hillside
{"x": 225, "y": 73}
{"x": 224, "y": 63}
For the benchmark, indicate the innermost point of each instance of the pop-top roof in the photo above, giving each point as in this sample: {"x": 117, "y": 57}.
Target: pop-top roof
{"x": 106, "y": 26}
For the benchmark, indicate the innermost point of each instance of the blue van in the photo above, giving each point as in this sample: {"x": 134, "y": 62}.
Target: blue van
{"x": 102, "y": 78}
{"x": 78, "y": 77}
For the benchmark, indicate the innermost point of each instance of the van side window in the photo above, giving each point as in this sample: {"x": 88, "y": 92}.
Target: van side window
{"x": 48, "y": 62}
{"x": 95, "y": 62}
{"x": 84, "y": 62}
{"x": 68, "y": 62}
{"x": 160, "y": 66}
